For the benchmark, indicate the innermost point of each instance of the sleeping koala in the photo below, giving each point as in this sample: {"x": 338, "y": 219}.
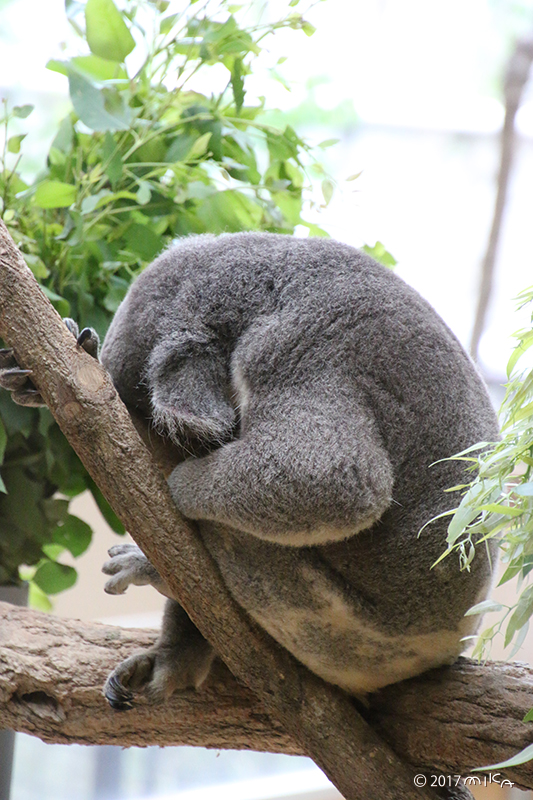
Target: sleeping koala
{"x": 304, "y": 397}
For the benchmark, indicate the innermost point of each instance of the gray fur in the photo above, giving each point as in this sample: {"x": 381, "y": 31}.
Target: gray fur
{"x": 309, "y": 392}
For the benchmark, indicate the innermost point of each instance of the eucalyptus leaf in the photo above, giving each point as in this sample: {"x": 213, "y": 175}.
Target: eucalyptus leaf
{"x": 94, "y": 107}
{"x": 54, "y": 194}
{"x": 132, "y": 165}
{"x": 108, "y": 35}
{"x": 53, "y": 577}
{"x": 22, "y": 111}
{"x": 74, "y": 535}
{"x": 522, "y": 757}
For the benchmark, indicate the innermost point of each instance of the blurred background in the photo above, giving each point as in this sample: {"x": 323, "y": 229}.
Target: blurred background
{"x": 413, "y": 92}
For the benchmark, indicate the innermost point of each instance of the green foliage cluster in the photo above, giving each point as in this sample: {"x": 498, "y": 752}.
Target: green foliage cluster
{"x": 499, "y": 501}
{"x": 144, "y": 156}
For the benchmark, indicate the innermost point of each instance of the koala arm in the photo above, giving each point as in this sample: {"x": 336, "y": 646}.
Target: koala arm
{"x": 296, "y": 476}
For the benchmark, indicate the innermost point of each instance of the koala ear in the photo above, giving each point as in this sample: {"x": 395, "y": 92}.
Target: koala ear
{"x": 187, "y": 377}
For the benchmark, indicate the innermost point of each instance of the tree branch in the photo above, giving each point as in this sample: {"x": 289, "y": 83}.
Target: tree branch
{"x": 323, "y": 720}
{"x": 516, "y": 78}
{"x": 451, "y": 719}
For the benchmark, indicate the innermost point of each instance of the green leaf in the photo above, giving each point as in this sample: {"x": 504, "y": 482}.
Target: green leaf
{"x": 3, "y": 489}
{"x": 484, "y": 607}
{"x": 17, "y": 419}
{"x": 144, "y": 193}
{"x": 524, "y": 490}
{"x": 328, "y": 187}
{"x": 112, "y": 158}
{"x": 180, "y": 148}
{"x": 74, "y": 535}
{"x": 529, "y": 716}
{"x": 237, "y": 83}
{"x": 53, "y": 577}
{"x": 13, "y": 143}
{"x": 199, "y": 147}
{"x": 36, "y": 265}
{"x": 500, "y": 508}
{"x": 22, "y": 111}
{"x": 3, "y": 441}
{"x": 526, "y": 341}
{"x": 167, "y": 23}
{"x": 105, "y": 509}
{"x": 520, "y": 758}
{"x": 100, "y": 68}
{"x": 381, "y": 254}
{"x": 102, "y": 109}
{"x": 61, "y": 305}
{"x": 38, "y": 599}
{"x": 108, "y": 35}
{"x": 54, "y": 65}
{"x": 116, "y": 293}
{"x": 54, "y": 194}
{"x": 230, "y": 211}
{"x": 524, "y": 609}
{"x": 143, "y": 241}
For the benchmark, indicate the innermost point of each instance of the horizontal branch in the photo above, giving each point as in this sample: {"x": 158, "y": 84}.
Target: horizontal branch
{"x": 52, "y": 670}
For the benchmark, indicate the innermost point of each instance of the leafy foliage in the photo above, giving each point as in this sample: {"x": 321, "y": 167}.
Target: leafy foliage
{"x": 145, "y": 155}
{"x": 499, "y": 500}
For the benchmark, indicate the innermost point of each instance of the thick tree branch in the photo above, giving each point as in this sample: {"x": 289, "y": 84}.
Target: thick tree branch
{"x": 51, "y": 673}
{"x": 81, "y": 397}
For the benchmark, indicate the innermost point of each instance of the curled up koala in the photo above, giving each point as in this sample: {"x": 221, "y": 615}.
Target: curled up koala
{"x": 307, "y": 400}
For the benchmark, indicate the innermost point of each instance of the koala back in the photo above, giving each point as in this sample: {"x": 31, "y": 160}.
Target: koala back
{"x": 318, "y": 395}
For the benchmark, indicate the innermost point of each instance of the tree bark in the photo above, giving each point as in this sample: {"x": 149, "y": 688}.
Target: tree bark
{"x": 51, "y": 673}
{"x": 516, "y": 78}
{"x": 80, "y": 395}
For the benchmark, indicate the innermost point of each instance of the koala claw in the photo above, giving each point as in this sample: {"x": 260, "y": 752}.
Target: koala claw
{"x": 119, "y": 698}
{"x": 17, "y": 380}
{"x": 88, "y": 339}
{"x": 132, "y": 674}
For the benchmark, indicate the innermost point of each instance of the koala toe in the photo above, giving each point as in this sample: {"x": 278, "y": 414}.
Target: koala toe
{"x": 90, "y": 341}
{"x": 128, "y": 565}
{"x": 120, "y": 549}
{"x": 158, "y": 673}
{"x": 130, "y": 676}
{"x": 17, "y": 381}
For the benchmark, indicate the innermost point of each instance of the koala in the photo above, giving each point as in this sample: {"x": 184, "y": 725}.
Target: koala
{"x": 306, "y": 401}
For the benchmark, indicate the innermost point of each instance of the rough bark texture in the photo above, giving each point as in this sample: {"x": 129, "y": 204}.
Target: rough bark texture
{"x": 52, "y": 670}
{"x": 78, "y": 392}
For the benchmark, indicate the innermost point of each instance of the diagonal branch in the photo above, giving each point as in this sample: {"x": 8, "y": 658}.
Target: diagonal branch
{"x": 323, "y": 720}
{"x": 450, "y": 719}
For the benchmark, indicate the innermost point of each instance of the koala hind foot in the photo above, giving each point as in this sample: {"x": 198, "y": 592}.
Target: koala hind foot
{"x": 180, "y": 659}
{"x": 17, "y": 380}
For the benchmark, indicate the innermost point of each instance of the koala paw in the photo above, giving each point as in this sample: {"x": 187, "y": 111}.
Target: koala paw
{"x": 128, "y": 565}
{"x": 159, "y": 672}
{"x": 17, "y": 380}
